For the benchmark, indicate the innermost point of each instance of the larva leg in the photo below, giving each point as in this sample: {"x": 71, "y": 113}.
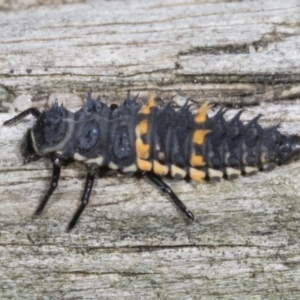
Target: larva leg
{"x": 30, "y": 111}
{"x": 85, "y": 197}
{"x": 165, "y": 188}
{"x": 53, "y": 184}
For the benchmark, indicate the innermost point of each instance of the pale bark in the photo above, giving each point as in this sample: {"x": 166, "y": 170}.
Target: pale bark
{"x": 131, "y": 242}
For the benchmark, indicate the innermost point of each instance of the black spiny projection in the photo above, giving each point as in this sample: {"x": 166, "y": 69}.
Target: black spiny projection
{"x": 155, "y": 141}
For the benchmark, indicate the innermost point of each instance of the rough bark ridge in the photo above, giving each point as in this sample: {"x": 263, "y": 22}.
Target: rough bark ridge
{"x": 131, "y": 242}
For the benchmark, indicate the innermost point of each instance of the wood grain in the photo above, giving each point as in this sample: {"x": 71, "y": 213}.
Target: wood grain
{"x": 233, "y": 52}
{"x": 131, "y": 241}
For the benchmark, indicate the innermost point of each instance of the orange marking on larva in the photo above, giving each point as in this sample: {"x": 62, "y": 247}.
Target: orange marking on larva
{"x": 142, "y": 150}
{"x": 144, "y": 165}
{"x": 143, "y": 127}
{"x": 177, "y": 172}
{"x": 197, "y": 175}
{"x": 160, "y": 169}
{"x": 200, "y": 116}
{"x": 197, "y": 160}
{"x": 199, "y": 136}
{"x": 147, "y": 107}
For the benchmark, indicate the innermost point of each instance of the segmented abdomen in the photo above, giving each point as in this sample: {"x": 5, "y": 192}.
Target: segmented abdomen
{"x": 180, "y": 143}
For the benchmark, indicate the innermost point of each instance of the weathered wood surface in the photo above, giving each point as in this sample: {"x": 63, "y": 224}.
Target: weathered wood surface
{"x": 230, "y": 52}
{"x": 23, "y": 4}
{"x": 131, "y": 242}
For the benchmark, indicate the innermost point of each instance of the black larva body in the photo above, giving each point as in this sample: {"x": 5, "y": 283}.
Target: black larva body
{"x": 153, "y": 140}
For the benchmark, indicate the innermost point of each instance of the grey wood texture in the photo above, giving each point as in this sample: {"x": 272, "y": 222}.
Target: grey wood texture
{"x": 131, "y": 241}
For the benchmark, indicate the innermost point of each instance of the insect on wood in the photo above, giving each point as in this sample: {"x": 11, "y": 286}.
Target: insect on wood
{"x": 153, "y": 140}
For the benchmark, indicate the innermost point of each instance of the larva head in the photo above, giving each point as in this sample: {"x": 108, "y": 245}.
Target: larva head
{"x": 27, "y": 149}
{"x": 50, "y": 130}
{"x": 289, "y": 149}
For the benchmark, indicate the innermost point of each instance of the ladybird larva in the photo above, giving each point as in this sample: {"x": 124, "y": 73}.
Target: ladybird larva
{"x": 153, "y": 140}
